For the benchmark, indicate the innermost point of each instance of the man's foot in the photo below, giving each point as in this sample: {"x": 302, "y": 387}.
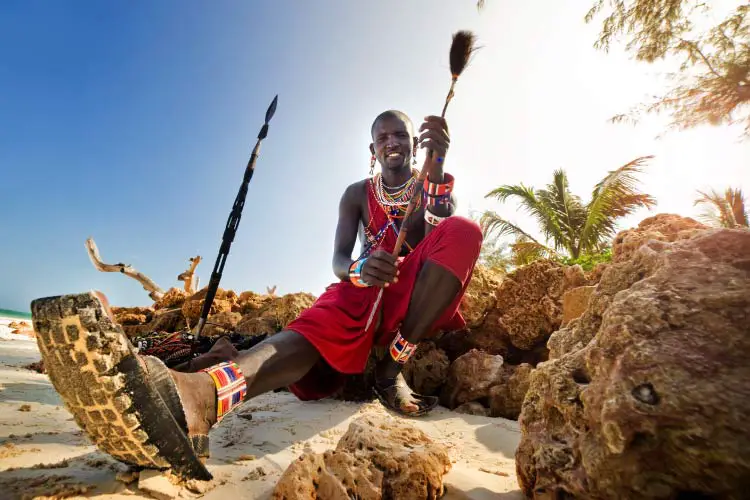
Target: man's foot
{"x": 395, "y": 394}
{"x": 131, "y": 407}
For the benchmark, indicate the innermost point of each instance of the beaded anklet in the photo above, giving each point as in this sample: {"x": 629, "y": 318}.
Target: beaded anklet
{"x": 231, "y": 387}
{"x": 355, "y": 273}
{"x": 401, "y": 349}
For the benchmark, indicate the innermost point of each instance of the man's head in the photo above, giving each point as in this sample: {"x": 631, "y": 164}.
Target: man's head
{"x": 393, "y": 139}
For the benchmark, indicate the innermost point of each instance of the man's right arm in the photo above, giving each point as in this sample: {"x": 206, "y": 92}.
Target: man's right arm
{"x": 350, "y": 213}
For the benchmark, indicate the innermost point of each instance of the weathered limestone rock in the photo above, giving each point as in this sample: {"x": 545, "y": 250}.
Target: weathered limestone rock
{"x": 132, "y": 315}
{"x": 575, "y": 302}
{"x": 480, "y": 296}
{"x": 530, "y": 300}
{"x": 473, "y": 408}
{"x": 174, "y": 297}
{"x": 651, "y": 399}
{"x": 427, "y": 370}
{"x": 377, "y": 458}
{"x": 506, "y": 396}
{"x": 470, "y": 378}
{"x": 221, "y": 323}
{"x": 660, "y": 227}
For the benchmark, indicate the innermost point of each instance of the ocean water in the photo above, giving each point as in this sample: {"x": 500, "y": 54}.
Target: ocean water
{"x": 7, "y": 313}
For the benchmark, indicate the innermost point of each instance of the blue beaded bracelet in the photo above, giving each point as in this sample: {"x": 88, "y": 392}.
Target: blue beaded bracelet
{"x": 355, "y": 273}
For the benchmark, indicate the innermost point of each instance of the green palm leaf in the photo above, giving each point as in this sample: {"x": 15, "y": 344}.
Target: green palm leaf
{"x": 613, "y": 197}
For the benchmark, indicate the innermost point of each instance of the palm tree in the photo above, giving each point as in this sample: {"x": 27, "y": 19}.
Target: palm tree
{"x": 724, "y": 211}
{"x": 565, "y": 221}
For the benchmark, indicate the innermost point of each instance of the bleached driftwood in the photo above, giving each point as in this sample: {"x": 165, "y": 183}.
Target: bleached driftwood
{"x": 187, "y": 276}
{"x": 152, "y": 288}
{"x": 271, "y": 290}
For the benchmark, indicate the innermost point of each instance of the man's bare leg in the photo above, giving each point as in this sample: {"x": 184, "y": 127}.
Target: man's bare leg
{"x": 278, "y": 361}
{"x": 434, "y": 291}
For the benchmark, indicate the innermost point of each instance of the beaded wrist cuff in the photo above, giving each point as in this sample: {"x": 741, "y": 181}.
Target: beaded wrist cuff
{"x": 438, "y": 194}
{"x": 231, "y": 387}
{"x": 401, "y": 349}
{"x": 433, "y": 219}
{"x": 355, "y": 273}
{"x": 435, "y": 189}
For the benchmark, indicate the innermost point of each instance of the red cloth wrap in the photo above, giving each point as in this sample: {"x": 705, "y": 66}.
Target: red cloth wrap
{"x": 341, "y": 323}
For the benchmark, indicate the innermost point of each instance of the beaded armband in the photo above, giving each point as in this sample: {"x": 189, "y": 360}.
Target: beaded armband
{"x": 355, "y": 273}
{"x": 433, "y": 219}
{"x": 438, "y": 194}
{"x": 401, "y": 349}
{"x": 231, "y": 387}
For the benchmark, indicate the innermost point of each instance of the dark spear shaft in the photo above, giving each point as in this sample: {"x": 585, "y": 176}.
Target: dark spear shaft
{"x": 233, "y": 223}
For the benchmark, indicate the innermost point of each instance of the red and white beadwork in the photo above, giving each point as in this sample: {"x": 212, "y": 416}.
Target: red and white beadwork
{"x": 401, "y": 349}
{"x": 231, "y": 387}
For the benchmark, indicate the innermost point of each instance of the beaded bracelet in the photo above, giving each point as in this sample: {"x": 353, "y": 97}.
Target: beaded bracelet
{"x": 433, "y": 219}
{"x": 401, "y": 349}
{"x": 355, "y": 273}
{"x": 435, "y": 189}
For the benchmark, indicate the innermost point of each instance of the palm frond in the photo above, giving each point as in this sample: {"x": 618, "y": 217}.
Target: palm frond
{"x": 491, "y": 223}
{"x": 727, "y": 210}
{"x": 569, "y": 210}
{"x": 736, "y": 201}
{"x": 525, "y": 252}
{"x": 616, "y": 195}
{"x": 538, "y": 208}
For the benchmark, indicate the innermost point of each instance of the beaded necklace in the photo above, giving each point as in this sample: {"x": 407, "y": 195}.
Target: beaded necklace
{"x": 393, "y": 206}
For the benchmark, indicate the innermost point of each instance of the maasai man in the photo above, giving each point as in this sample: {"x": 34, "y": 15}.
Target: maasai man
{"x": 142, "y": 413}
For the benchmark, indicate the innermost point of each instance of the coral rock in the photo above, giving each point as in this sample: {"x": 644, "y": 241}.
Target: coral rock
{"x": 530, "y": 299}
{"x": 480, "y": 296}
{"x": 377, "y": 458}
{"x": 575, "y": 302}
{"x": 654, "y": 403}
{"x": 470, "y": 378}
{"x": 427, "y": 370}
{"x": 174, "y": 297}
{"x": 132, "y": 315}
{"x": 221, "y": 323}
{"x": 473, "y": 408}
{"x": 660, "y": 227}
{"x": 193, "y": 306}
{"x": 506, "y": 397}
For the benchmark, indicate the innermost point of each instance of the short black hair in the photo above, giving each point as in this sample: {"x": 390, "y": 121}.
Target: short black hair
{"x": 392, "y": 113}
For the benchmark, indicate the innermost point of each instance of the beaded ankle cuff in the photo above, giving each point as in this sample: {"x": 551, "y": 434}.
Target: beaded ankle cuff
{"x": 231, "y": 387}
{"x": 401, "y": 349}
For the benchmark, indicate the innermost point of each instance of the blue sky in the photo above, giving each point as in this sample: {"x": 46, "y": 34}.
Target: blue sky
{"x": 132, "y": 122}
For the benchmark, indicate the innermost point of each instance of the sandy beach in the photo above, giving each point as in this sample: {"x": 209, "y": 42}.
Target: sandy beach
{"x": 43, "y": 454}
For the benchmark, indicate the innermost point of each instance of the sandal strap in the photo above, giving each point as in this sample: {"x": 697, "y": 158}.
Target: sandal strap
{"x": 231, "y": 387}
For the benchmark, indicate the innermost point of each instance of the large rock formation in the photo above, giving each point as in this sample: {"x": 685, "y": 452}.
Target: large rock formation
{"x": 660, "y": 227}
{"x": 481, "y": 380}
{"x": 377, "y": 458}
{"x": 647, "y": 393}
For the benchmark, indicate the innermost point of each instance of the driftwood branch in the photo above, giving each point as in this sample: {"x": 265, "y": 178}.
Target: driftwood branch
{"x": 188, "y": 275}
{"x": 153, "y": 290}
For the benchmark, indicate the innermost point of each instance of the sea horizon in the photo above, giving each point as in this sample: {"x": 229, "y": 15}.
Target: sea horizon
{"x": 10, "y": 313}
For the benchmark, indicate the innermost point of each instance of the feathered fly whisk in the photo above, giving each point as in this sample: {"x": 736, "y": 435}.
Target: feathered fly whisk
{"x": 462, "y": 48}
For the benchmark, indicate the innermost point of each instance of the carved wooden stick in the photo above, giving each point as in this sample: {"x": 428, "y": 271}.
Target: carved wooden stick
{"x": 187, "y": 276}
{"x": 152, "y": 288}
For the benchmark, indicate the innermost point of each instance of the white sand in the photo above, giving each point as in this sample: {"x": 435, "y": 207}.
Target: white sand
{"x": 6, "y": 332}
{"x": 280, "y": 429}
